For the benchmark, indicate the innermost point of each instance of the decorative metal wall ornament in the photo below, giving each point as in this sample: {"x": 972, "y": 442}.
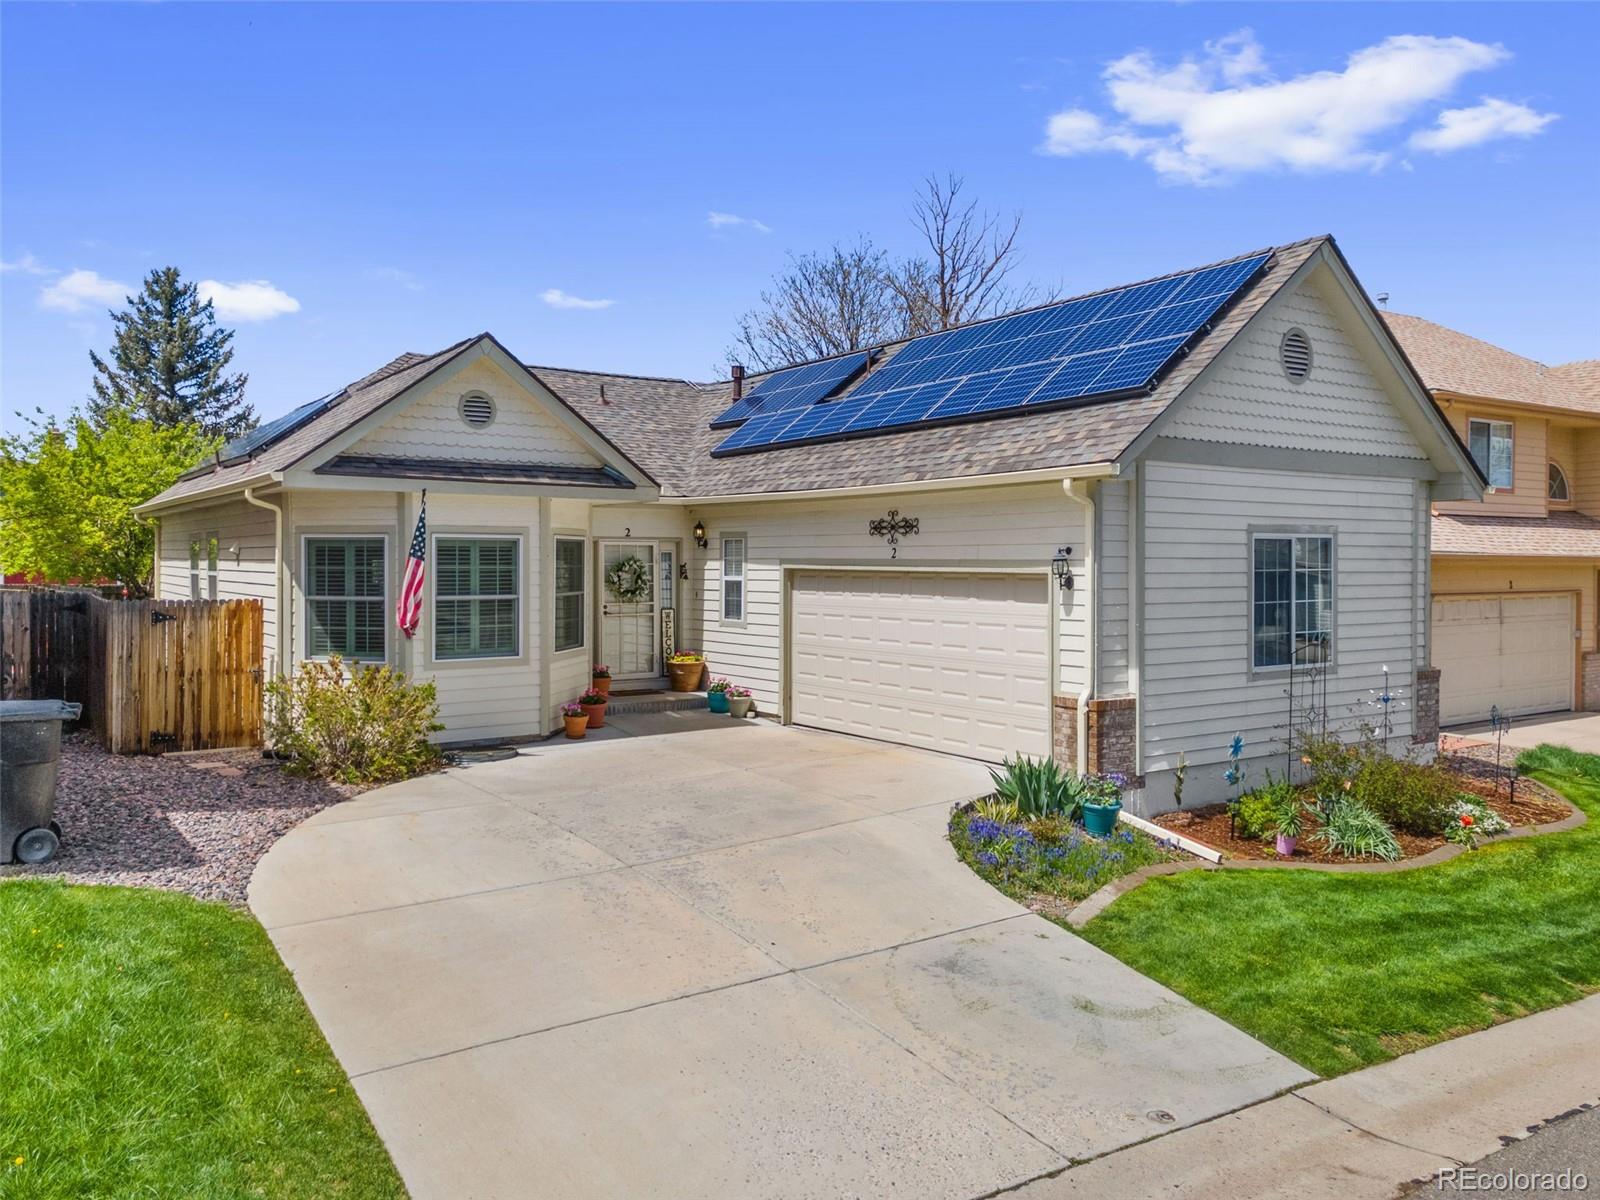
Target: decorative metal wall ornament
{"x": 894, "y": 527}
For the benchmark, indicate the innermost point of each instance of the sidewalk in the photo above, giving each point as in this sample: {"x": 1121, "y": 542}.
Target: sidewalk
{"x": 1369, "y": 1133}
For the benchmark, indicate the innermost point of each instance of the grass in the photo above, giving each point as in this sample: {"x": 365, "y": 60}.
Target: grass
{"x": 1048, "y": 857}
{"x": 154, "y": 1045}
{"x": 1559, "y": 760}
{"x": 1341, "y": 971}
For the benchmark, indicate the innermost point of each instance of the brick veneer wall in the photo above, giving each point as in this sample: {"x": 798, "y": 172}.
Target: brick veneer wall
{"x": 1425, "y": 707}
{"x": 1589, "y": 700}
{"x": 1112, "y": 735}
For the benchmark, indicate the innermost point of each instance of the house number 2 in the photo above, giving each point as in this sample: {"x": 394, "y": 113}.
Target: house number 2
{"x": 894, "y": 527}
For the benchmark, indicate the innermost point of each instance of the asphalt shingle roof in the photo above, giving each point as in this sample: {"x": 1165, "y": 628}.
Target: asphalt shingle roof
{"x": 1559, "y": 535}
{"x": 1451, "y": 361}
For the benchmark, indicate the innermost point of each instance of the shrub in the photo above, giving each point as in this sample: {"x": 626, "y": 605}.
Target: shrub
{"x": 1001, "y": 812}
{"x": 1329, "y": 763}
{"x": 1257, "y": 812}
{"x": 1352, "y": 829}
{"x": 365, "y": 726}
{"x": 1418, "y": 799}
{"x": 1038, "y": 787}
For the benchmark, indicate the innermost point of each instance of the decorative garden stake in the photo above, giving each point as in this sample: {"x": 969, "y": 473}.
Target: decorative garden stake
{"x": 1234, "y": 775}
{"x": 1500, "y": 724}
{"x": 1179, "y": 774}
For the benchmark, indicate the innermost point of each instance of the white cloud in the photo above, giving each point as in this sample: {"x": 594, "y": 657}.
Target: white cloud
{"x": 28, "y": 265}
{"x": 1223, "y": 113}
{"x": 1459, "y": 128}
{"x": 396, "y": 276}
{"x": 722, "y": 220}
{"x": 556, "y": 298}
{"x": 79, "y": 290}
{"x": 248, "y": 300}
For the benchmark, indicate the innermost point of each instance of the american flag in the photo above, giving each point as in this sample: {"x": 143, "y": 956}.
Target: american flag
{"x": 408, "y": 611}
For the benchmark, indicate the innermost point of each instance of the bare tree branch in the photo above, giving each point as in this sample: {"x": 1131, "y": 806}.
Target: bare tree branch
{"x": 822, "y": 305}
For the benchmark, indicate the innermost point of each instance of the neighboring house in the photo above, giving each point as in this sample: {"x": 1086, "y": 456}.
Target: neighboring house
{"x": 1515, "y": 575}
{"x": 1235, "y": 464}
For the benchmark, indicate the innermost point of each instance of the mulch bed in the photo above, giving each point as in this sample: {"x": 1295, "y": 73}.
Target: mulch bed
{"x": 195, "y": 823}
{"x": 1533, "y": 804}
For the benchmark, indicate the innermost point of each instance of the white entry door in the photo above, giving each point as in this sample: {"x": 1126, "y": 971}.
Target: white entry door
{"x": 951, "y": 662}
{"x": 1515, "y": 653}
{"x": 629, "y": 631}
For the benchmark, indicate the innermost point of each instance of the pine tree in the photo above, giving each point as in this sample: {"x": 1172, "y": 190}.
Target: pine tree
{"x": 168, "y": 361}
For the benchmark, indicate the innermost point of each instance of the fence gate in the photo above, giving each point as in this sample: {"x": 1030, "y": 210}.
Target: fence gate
{"x": 178, "y": 675}
{"x": 44, "y": 645}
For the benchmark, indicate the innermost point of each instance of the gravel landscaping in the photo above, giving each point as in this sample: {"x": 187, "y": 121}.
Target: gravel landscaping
{"x": 196, "y": 822}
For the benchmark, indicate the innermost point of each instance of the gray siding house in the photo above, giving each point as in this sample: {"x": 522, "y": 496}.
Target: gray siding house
{"x": 1123, "y": 578}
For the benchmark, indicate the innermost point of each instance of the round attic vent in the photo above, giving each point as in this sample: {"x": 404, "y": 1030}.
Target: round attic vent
{"x": 477, "y": 410}
{"x": 1296, "y": 354}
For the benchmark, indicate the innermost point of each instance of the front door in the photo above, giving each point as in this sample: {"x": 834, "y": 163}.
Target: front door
{"x": 629, "y": 597}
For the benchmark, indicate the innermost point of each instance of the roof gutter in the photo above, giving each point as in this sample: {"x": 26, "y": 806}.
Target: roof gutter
{"x": 222, "y": 489}
{"x": 1098, "y": 470}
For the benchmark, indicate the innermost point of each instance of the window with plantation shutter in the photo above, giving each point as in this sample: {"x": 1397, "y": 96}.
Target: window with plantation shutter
{"x": 475, "y": 598}
{"x": 345, "y": 598}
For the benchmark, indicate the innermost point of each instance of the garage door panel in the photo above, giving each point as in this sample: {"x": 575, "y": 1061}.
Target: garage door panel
{"x": 949, "y": 662}
{"x": 1512, "y": 652}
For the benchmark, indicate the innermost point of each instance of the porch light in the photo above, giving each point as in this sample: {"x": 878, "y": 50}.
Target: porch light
{"x": 1061, "y": 567}
{"x": 700, "y": 534}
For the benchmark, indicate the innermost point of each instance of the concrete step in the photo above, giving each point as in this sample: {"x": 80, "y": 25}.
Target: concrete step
{"x": 654, "y": 702}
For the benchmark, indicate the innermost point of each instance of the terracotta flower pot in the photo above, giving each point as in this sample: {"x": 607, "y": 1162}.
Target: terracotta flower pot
{"x": 596, "y": 714}
{"x": 602, "y": 684}
{"x": 576, "y": 726}
{"x": 685, "y": 677}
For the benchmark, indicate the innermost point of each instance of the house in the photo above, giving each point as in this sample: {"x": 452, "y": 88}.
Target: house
{"x": 1120, "y": 528}
{"x": 1516, "y": 575}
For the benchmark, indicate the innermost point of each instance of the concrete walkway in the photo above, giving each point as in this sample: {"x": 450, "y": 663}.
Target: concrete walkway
{"x": 699, "y": 957}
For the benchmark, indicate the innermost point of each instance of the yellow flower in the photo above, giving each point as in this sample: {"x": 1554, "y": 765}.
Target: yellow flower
{"x": 19, "y": 1159}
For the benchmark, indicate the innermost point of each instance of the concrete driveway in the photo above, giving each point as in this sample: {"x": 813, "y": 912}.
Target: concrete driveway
{"x": 1578, "y": 730}
{"x": 708, "y": 958}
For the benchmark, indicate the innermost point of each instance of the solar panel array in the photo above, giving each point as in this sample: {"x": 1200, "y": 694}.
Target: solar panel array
{"x": 1111, "y": 343}
{"x": 263, "y": 436}
{"x": 795, "y": 388}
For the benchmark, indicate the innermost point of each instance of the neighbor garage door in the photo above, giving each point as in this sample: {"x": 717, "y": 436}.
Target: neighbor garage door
{"x": 958, "y": 663}
{"x": 1514, "y": 652}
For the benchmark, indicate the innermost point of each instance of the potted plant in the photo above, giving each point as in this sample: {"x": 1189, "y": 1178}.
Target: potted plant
{"x": 601, "y": 680}
{"x": 577, "y": 721}
{"x": 1102, "y": 801}
{"x": 740, "y": 702}
{"x": 593, "y": 704}
{"x": 1288, "y": 822}
{"x": 717, "y": 695}
{"x": 684, "y": 669}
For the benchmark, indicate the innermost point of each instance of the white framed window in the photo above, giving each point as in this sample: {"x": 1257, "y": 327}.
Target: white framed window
{"x": 194, "y": 570}
{"x": 1492, "y": 444}
{"x": 1291, "y": 600}
{"x": 668, "y": 577}
{"x": 209, "y": 547}
{"x": 477, "y": 603}
{"x": 733, "y": 578}
{"x": 213, "y": 558}
{"x": 346, "y": 600}
{"x": 570, "y": 556}
{"x": 1559, "y": 493}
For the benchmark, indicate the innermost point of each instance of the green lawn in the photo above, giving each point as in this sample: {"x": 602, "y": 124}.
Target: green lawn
{"x": 153, "y": 1045}
{"x": 1340, "y": 971}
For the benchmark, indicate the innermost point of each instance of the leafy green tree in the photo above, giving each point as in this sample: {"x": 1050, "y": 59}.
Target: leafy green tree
{"x": 169, "y": 362}
{"x": 67, "y": 494}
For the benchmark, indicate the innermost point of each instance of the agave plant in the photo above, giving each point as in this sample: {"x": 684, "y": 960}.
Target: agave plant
{"x": 1038, "y": 787}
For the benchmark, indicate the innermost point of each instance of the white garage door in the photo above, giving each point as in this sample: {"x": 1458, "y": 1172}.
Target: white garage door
{"x": 958, "y": 663}
{"x": 1512, "y": 651}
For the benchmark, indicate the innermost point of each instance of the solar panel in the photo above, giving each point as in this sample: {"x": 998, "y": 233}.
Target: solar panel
{"x": 1111, "y": 343}
{"x": 795, "y": 388}
{"x": 263, "y": 436}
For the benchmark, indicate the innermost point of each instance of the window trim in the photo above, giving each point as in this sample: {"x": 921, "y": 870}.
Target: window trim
{"x": 303, "y": 591}
{"x": 194, "y": 567}
{"x": 432, "y": 583}
{"x": 1491, "y": 422}
{"x": 1566, "y": 485}
{"x": 582, "y": 539}
{"x": 1280, "y": 532}
{"x": 213, "y": 545}
{"x": 743, "y": 577}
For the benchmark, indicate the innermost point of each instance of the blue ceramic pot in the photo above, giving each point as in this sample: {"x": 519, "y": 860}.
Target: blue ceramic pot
{"x": 717, "y": 701}
{"x": 1101, "y": 819}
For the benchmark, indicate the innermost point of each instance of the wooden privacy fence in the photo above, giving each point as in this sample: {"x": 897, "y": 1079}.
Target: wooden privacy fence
{"x": 44, "y": 644}
{"x": 156, "y": 674}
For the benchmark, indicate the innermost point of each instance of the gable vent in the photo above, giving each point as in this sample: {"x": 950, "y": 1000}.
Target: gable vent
{"x": 1296, "y": 354}
{"x": 477, "y": 410}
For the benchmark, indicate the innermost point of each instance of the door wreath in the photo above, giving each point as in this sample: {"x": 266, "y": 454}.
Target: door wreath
{"x": 629, "y": 580}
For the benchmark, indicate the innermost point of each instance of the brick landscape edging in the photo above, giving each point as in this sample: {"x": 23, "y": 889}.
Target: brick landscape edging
{"x": 1101, "y": 900}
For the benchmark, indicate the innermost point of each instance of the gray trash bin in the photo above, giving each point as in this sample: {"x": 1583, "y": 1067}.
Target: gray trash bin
{"x": 30, "y": 752}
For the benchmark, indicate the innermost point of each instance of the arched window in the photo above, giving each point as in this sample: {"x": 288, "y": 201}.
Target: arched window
{"x": 1558, "y": 485}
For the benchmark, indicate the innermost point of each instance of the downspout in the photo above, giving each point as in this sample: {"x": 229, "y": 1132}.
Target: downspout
{"x": 1082, "y": 490}
{"x": 280, "y": 616}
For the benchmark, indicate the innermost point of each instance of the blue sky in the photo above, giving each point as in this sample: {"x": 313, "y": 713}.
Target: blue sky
{"x": 353, "y": 181}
